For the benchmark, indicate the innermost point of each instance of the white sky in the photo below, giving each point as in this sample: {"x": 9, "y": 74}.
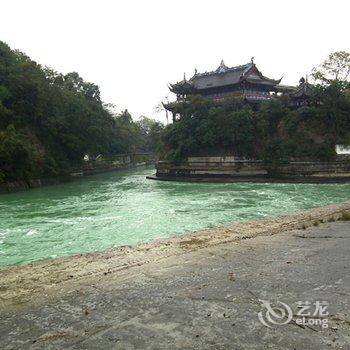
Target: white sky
{"x": 132, "y": 49}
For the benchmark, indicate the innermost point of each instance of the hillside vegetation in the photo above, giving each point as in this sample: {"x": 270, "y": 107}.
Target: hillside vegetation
{"x": 49, "y": 121}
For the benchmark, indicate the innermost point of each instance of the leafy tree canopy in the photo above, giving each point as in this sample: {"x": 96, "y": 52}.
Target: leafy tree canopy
{"x": 335, "y": 68}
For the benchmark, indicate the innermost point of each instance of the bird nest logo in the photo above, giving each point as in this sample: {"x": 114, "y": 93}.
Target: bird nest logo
{"x": 279, "y": 314}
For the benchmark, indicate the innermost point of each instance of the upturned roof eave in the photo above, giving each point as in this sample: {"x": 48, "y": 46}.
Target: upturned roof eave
{"x": 264, "y": 80}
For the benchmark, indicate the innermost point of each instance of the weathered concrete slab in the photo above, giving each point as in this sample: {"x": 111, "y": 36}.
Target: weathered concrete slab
{"x": 204, "y": 298}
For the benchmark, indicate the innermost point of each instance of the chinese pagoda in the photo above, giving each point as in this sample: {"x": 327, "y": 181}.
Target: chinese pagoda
{"x": 244, "y": 81}
{"x": 304, "y": 94}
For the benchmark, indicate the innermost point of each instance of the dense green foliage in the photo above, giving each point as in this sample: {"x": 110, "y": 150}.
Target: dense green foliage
{"x": 272, "y": 131}
{"x": 49, "y": 121}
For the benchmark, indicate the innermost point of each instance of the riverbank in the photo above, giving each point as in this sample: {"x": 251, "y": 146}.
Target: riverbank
{"x": 25, "y": 284}
{"x": 197, "y": 291}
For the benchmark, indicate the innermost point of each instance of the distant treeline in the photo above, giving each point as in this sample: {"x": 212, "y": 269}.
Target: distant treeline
{"x": 49, "y": 121}
{"x": 272, "y": 131}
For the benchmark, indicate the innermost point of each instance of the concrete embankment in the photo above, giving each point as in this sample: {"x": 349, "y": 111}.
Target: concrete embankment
{"x": 197, "y": 291}
{"x": 23, "y": 283}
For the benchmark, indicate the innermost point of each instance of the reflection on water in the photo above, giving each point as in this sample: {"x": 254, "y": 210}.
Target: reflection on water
{"x": 107, "y": 210}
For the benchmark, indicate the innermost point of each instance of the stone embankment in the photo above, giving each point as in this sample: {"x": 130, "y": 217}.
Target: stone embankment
{"x": 233, "y": 169}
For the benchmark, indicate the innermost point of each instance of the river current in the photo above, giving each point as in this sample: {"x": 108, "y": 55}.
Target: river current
{"x": 124, "y": 208}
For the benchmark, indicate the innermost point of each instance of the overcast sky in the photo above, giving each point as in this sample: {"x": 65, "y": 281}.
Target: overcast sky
{"x": 132, "y": 49}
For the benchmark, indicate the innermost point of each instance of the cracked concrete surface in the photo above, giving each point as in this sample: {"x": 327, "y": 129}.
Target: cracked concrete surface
{"x": 207, "y": 297}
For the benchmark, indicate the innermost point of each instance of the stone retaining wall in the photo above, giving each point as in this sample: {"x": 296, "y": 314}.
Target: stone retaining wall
{"x": 231, "y": 167}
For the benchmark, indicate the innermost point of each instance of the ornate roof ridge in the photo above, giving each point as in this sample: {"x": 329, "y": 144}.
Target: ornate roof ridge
{"x": 225, "y": 69}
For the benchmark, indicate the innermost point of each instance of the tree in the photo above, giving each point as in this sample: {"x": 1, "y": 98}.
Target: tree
{"x": 18, "y": 158}
{"x": 151, "y": 133}
{"x": 336, "y": 67}
{"x": 333, "y": 92}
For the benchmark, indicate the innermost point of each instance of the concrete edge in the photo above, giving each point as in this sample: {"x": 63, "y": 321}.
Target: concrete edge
{"x": 254, "y": 179}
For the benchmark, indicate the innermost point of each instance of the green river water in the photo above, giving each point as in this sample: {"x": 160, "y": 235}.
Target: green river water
{"x": 124, "y": 208}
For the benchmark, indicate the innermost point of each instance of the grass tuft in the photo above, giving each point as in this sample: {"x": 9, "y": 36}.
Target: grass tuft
{"x": 345, "y": 215}
{"x": 193, "y": 242}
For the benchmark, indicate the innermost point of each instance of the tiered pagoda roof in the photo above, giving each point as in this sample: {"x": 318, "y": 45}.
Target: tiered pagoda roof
{"x": 304, "y": 90}
{"x": 223, "y": 76}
